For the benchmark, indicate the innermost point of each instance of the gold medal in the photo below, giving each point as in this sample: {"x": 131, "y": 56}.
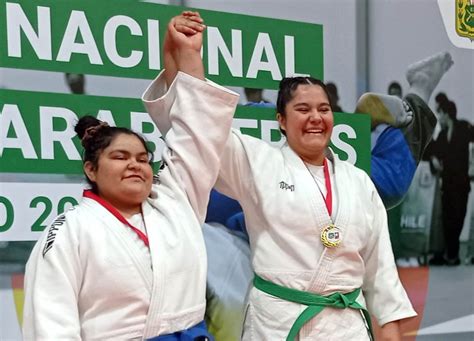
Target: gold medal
{"x": 331, "y": 236}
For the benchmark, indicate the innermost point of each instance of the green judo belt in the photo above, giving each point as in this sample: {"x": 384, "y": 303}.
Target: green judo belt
{"x": 316, "y": 303}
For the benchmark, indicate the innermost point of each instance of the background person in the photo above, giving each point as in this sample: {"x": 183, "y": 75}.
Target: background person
{"x": 129, "y": 261}
{"x": 255, "y": 95}
{"x": 395, "y": 89}
{"x": 334, "y": 97}
{"x": 450, "y": 157}
{"x": 76, "y": 82}
{"x": 401, "y": 129}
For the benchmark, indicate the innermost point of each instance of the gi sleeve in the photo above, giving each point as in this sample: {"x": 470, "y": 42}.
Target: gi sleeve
{"x": 52, "y": 282}
{"x": 195, "y": 116}
{"x": 386, "y": 298}
{"x": 241, "y": 158}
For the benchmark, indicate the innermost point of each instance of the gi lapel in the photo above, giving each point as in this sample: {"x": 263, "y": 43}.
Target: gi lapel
{"x": 123, "y": 235}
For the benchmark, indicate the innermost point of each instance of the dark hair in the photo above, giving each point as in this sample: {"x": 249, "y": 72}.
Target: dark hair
{"x": 395, "y": 85}
{"x": 76, "y": 82}
{"x": 441, "y": 98}
{"x": 287, "y": 90}
{"x": 332, "y": 88}
{"x": 333, "y": 95}
{"x": 449, "y": 107}
{"x": 252, "y": 91}
{"x": 97, "y": 135}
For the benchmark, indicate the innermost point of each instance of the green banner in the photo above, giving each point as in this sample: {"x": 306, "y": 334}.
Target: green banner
{"x": 37, "y": 129}
{"x": 350, "y": 139}
{"x": 93, "y": 37}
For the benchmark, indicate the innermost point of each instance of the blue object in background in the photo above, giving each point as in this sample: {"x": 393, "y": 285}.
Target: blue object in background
{"x": 392, "y": 166}
{"x": 221, "y": 208}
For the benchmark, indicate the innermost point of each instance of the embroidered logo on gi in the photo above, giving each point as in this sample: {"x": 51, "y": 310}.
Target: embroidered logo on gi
{"x": 285, "y": 186}
{"x": 53, "y": 229}
{"x": 465, "y": 18}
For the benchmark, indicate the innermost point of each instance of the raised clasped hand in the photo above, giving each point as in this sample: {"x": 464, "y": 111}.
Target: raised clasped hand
{"x": 185, "y": 32}
{"x": 182, "y": 46}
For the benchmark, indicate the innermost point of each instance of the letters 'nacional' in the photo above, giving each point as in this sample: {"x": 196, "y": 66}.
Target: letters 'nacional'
{"x": 125, "y": 41}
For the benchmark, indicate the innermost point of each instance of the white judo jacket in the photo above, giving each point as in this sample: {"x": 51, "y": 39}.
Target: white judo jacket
{"x": 88, "y": 277}
{"x": 284, "y": 214}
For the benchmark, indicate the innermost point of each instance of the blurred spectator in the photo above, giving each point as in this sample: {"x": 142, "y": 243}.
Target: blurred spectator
{"x": 255, "y": 95}
{"x": 76, "y": 83}
{"x": 395, "y": 89}
{"x": 450, "y": 158}
{"x": 333, "y": 97}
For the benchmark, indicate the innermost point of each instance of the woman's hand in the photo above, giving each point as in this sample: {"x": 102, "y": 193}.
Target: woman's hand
{"x": 182, "y": 46}
{"x": 189, "y": 28}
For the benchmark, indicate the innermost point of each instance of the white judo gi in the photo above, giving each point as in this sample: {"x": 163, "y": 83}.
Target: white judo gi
{"x": 91, "y": 277}
{"x": 284, "y": 213}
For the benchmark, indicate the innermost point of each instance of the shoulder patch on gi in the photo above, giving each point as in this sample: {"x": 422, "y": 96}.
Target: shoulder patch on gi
{"x": 53, "y": 229}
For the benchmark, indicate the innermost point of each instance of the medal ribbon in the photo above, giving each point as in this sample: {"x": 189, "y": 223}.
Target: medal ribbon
{"x": 89, "y": 194}
{"x": 327, "y": 181}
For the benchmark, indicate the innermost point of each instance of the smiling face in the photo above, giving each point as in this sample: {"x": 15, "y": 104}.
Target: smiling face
{"x": 123, "y": 174}
{"x": 308, "y": 122}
